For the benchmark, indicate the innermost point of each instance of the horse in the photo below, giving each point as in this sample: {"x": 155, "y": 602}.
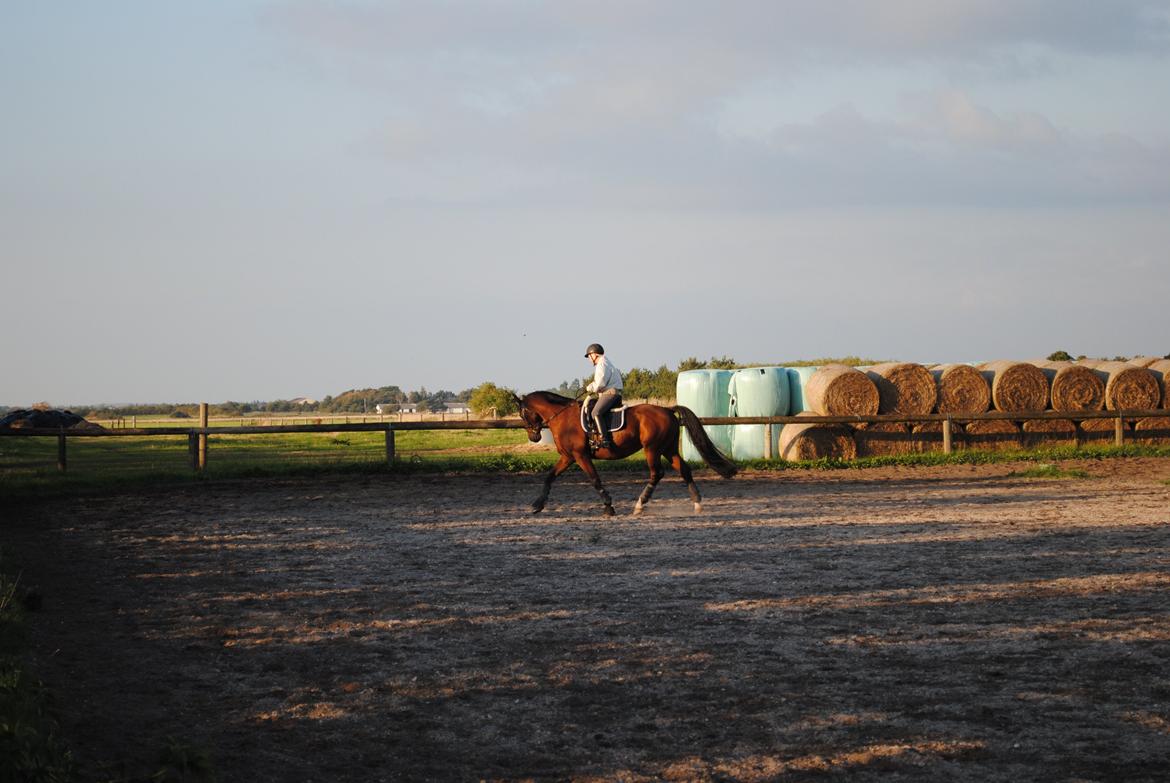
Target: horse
{"x": 651, "y": 428}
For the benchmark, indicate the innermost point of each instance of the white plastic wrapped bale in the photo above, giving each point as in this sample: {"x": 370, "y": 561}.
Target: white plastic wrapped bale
{"x": 797, "y": 380}
{"x": 705, "y": 393}
{"x": 757, "y": 391}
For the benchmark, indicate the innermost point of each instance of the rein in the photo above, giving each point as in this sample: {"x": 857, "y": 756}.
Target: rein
{"x": 562, "y": 410}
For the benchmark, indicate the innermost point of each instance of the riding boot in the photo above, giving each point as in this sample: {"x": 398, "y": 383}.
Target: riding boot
{"x": 605, "y": 439}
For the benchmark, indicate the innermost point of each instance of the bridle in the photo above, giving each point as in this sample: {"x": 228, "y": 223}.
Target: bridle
{"x": 544, "y": 424}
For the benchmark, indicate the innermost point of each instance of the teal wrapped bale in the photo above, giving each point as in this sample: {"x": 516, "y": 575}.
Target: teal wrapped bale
{"x": 705, "y": 393}
{"x": 797, "y": 379}
{"x": 757, "y": 391}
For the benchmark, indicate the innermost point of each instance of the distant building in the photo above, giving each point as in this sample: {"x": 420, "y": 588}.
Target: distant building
{"x": 457, "y": 407}
{"x": 303, "y": 401}
{"x": 396, "y": 407}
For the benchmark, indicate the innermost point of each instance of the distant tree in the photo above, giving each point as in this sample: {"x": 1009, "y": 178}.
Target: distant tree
{"x": 569, "y": 388}
{"x": 691, "y": 363}
{"x": 179, "y": 413}
{"x": 488, "y": 398}
{"x": 1060, "y": 356}
{"x": 722, "y": 363}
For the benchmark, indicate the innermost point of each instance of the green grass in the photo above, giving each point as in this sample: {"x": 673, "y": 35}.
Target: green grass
{"x": 28, "y": 466}
{"x": 1049, "y": 470}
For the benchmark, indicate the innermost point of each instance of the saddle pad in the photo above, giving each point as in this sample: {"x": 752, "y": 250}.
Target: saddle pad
{"x": 617, "y": 418}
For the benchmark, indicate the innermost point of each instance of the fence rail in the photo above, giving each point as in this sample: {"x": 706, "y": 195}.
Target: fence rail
{"x": 198, "y": 436}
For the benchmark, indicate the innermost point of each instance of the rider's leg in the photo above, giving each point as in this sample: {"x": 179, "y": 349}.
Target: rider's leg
{"x": 605, "y": 401}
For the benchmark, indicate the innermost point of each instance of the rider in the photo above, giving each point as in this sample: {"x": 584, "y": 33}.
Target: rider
{"x": 607, "y": 385}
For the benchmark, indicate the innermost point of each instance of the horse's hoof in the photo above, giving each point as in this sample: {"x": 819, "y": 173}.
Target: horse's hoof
{"x": 609, "y": 512}
{"x": 537, "y": 508}
{"x": 637, "y": 509}
{"x": 698, "y": 508}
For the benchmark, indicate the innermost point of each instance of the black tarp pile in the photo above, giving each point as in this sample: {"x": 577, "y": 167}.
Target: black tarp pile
{"x": 38, "y": 418}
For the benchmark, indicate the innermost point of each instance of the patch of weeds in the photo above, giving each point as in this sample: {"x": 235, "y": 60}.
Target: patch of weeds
{"x": 176, "y": 762}
{"x": 1048, "y": 470}
{"x": 30, "y": 746}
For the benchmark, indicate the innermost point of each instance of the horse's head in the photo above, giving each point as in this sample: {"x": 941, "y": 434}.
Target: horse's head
{"x": 533, "y": 423}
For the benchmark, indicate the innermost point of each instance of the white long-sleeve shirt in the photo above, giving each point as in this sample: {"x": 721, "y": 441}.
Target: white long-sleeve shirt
{"x": 605, "y": 376}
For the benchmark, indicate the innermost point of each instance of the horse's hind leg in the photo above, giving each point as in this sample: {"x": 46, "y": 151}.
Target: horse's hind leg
{"x": 684, "y": 470}
{"x": 652, "y": 459}
{"x": 590, "y": 471}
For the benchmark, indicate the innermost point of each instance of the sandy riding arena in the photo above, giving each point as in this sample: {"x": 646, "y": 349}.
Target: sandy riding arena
{"x": 961, "y": 623}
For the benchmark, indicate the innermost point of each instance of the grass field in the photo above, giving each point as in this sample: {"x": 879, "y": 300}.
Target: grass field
{"x": 28, "y": 465}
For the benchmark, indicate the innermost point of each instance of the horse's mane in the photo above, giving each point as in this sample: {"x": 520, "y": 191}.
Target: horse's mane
{"x": 553, "y": 397}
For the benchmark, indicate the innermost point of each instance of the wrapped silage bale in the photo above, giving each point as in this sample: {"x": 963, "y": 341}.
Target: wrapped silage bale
{"x": 757, "y": 391}
{"x": 797, "y": 380}
{"x": 705, "y": 393}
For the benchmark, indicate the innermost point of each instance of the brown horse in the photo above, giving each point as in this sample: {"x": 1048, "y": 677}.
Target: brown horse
{"x": 653, "y": 428}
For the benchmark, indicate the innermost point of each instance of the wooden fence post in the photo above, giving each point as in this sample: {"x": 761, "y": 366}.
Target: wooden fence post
{"x": 767, "y": 441}
{"x": 390, "y": 444}
{"x": 1119, "y": 431}
{"x": 947, "y": 435}
{"x": 61, "y": 463}
{"x": 203, "y": 437}
{"x": 193, "y": 449}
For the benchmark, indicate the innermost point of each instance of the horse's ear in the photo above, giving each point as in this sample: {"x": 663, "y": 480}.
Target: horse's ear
{"x": 517, "y": 399}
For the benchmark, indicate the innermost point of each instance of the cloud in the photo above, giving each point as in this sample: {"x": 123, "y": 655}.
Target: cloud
{"x": 514, "y": 102}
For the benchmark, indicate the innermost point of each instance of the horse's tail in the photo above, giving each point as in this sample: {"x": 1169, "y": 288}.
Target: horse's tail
{"x": 711, "y": 455}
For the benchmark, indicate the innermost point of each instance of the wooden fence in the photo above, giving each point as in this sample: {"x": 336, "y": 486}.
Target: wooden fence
{"x": 197, "y": 437}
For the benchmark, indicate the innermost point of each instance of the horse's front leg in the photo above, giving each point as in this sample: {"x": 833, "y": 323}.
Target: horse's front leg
{"x": 562, "y": 465}
{"x": 590, "y": 471}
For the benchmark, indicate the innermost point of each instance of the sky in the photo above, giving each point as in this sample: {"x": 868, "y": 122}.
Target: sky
{"x": 262, "y": 200}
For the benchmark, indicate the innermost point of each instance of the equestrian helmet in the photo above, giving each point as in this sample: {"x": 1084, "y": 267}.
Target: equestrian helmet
{"x": 594, "y": 348}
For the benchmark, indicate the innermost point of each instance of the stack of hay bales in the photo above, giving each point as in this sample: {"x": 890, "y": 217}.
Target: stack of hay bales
{"x": 903, "y": 387}
{"x": 831, "y": 390}
{"x": 1127, "y": 387}
{"x": 1073, "y": 388}
{"x": 960, "y": 388}
{"x": 1156, "y": 431}
{"x": 906, "y": 388}
{"x": 1016, "y": 387}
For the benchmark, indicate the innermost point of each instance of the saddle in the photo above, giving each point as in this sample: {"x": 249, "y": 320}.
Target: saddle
{"x": 615, "y": 419}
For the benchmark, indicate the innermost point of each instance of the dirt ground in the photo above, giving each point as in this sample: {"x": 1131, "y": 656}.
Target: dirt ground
{"x": 959, "y": 623}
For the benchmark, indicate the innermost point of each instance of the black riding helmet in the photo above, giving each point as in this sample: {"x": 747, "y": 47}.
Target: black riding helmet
{"x": 594, "y": 348}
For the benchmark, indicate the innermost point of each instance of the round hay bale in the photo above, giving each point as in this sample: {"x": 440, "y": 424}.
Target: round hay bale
{"x": 840, "y": 390}
{"x": 1129, "y": 388}
{"x": 992, "y": 435}
{"x": 1074, "y": 387}
{"x": 961, "y": 389}
{"x": 1049, "y": 432}
{"x": 928, "y": 436}
{"x": 1090, "y": 363}
{"x": 903, "y": 387}
{"x": 1096, "y": 432}
{"x": 1016, "y": 386}
{"x": 1144, "y": 361}
{"x": 1161, "y": 371}
{"x": 816, "y": 441}
{"x": 883, "y": 438}
{"x": 1152, "y": 431}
